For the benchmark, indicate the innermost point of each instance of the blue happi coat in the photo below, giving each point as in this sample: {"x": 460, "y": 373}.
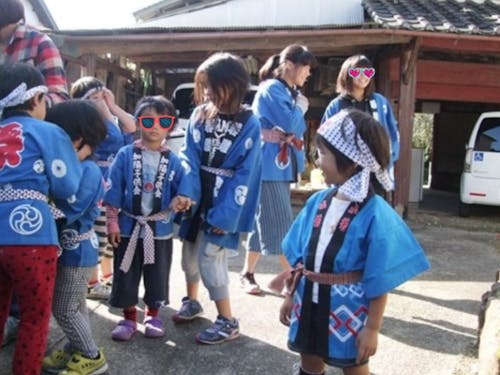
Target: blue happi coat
{"x": 121, "y": 186}
{"x": 231, "y": 199}
{"x": 274, "y": 105}
{"x": 108, "y": 148}
{"x": 378, "y": 243}
{"x": 37, "y": 156}
{"x": 80, "y": 219}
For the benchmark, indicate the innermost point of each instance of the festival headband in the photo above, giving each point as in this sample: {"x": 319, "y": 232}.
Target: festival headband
{"x": 340, "y": 132}
{"x": 21, "y": 95}
{"x": 92, "y": 91}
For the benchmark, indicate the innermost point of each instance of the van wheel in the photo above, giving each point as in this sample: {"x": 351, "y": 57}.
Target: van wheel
{"x": 464, "y": 209}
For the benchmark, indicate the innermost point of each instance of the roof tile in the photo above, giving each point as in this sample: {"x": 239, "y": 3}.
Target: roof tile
{"x": 453, "y": 16}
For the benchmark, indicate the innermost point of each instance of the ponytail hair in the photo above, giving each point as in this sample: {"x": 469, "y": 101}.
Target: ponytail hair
{"x": 295, "y": 53}
{"x": 267, "y": 70}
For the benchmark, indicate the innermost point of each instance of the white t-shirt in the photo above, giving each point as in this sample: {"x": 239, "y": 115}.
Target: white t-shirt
{"x": 330, "y": 221}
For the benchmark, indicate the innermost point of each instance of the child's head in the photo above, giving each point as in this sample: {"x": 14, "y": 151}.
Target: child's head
{"x": 22, "y": 88}
{"x": 293, "y": 64}
{"x": 81, "y": 120}
{"x": 351, "y": 145}
{"x": 223, "y": 81}
{"x": 87, "y": 88}
{"x": 356, "y": 72}
{"x": 156, "y": 117}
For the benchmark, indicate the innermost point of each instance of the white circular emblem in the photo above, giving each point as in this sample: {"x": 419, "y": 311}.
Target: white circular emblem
{"x": 240, "y": 194}
{"x": 107, "y": 184}
{"x": 249, "y": 143}
{"x": 281, "y": 165}
{"x": 72, "y": 199}
{"x": 68, "y": 240}
{"x": 39, "y": 166}
{"x": 59, "y": 168}
{"x": 196, "y": 135}
{"x": 25, "y": 219}
{"x": 94, "y": 240}
{"x": 186, "y": 166}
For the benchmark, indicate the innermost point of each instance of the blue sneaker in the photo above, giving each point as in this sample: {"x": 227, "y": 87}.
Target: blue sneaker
{"x": 222, "y": 330}
{"x": 190, "y": 309}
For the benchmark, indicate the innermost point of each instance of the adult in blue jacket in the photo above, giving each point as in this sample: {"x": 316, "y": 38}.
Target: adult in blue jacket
{"x": 280, "y": 107}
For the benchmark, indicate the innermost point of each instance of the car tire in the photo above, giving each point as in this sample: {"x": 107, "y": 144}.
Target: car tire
{"x": 464, "y": 209}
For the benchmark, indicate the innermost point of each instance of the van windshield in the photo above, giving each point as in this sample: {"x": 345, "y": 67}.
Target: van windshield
{"x": 184, "y": 103}
{"x": 488, "y": 136}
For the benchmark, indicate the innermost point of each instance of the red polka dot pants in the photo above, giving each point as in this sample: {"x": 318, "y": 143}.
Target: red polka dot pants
{"x": 28, "y": 272}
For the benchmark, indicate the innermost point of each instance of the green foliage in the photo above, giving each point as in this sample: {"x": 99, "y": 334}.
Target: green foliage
{"x": 422, "y": 133}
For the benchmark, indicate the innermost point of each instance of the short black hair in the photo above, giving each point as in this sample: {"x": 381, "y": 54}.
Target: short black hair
{"x": 159, "y": 103}
{"x": 80, "y": 119}
{"x": 11, "y": 76}
{"x": 11, "y": 11}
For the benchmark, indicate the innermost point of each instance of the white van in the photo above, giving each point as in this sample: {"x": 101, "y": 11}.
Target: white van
{"x": 182, "y": 97}
{"x": 480, "y": 180}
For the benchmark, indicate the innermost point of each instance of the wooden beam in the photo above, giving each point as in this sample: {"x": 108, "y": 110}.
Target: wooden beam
{"x": 461, "y": 43}
{"x": 406, "y": 107}
{"x": 459, "y": 73}
{"x": 410, "y": 59}
{"x": 136, "y": 45}
{"x": 457, "y": 92}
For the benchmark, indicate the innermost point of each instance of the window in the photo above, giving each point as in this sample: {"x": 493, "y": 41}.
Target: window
{"x": 488, "y": 136}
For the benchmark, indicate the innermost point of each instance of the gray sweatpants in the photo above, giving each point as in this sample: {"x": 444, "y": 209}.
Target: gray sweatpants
{"x": 208, "y": 260}
{"x": 70, "y": 309}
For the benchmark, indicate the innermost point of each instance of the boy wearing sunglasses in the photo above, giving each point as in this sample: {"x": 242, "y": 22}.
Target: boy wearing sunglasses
{"x": 121, "y": 128}
{"x": 145, "y": 181}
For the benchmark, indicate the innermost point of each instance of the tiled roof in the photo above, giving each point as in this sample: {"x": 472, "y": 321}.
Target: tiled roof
{"x": 452, "y": 16}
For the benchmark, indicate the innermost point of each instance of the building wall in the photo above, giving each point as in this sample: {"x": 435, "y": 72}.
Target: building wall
{"x": 30, "y": 15}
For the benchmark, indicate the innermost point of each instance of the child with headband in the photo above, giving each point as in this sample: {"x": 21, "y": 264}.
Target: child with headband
{"x": 121, "y": 127}
{"x": 349, "y": 248}
{"x": 31, "y": 170}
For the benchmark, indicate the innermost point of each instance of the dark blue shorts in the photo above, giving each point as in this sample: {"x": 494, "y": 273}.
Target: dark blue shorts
{"x": 125, "y": 291}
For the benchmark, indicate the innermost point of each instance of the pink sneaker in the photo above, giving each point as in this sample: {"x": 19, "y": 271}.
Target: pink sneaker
{"x": 124, "y": 330}
{"x": 153, "y": 327}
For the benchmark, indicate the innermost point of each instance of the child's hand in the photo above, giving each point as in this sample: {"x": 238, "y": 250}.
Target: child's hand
{"x": 218, "y": 230}
{"x": 114, "y": 239}
{"x": 109, "y": 98}
{"x": 181, "y": 203}
{"x": 286, "y": 310}
{"x": 84, "y": 152}
{"x": 366, "y": 342}
{"x": 103, "y": 109}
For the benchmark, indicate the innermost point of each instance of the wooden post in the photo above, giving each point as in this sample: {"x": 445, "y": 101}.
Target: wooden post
{"x": 406, "y": 108}
{"x": 89, "y": 67}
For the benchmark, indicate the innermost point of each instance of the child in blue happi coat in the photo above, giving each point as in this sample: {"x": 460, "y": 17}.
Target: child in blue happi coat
{"x": 79, "y": 243}
{"x": 145, "y": 185}
{"x": 222, "y": 158}
{"x": 349, "y": 249}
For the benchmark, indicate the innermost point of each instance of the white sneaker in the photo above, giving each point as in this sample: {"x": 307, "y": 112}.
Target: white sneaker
{"x": 99, "y": 291}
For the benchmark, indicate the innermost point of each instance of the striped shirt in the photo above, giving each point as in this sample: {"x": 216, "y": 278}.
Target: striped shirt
{"x": 31, "y": 46}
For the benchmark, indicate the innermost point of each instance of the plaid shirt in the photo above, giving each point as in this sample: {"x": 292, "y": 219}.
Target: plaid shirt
{"x": 31, "y": 46}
